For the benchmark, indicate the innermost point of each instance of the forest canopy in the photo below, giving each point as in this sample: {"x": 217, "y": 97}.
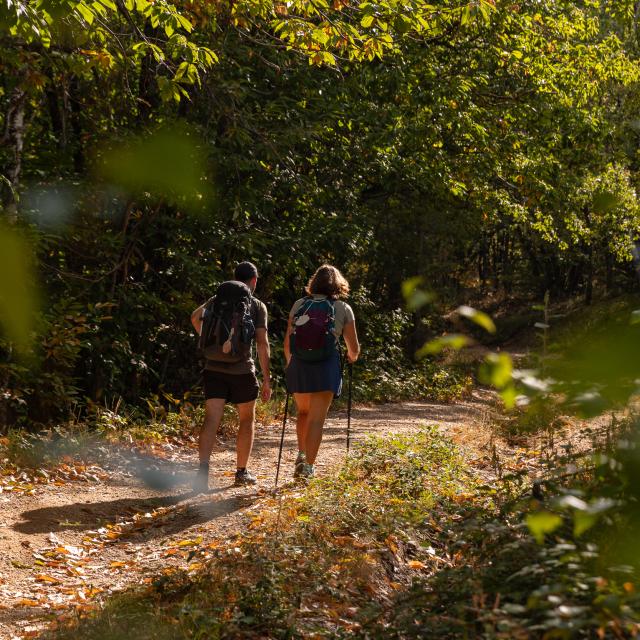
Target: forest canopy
{"x": 489, "y": 147}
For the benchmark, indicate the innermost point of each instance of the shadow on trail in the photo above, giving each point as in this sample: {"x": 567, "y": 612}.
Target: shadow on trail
{"x": 93, "y": 515}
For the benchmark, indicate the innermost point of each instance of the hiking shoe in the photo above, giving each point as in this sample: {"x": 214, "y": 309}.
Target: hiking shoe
{"x": 200, "y": 483}
{"x": 244, "y": 478}
{"x": 307, "y": 471}
{"x": 299, "y": 464}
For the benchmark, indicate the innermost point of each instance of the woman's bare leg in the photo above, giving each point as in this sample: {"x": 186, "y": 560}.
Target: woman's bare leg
{"x": 302, "y": 418}
{"x": 318, "y": 406}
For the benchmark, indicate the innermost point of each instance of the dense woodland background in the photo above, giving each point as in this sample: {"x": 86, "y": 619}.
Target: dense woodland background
{"x": 489, "y": 147}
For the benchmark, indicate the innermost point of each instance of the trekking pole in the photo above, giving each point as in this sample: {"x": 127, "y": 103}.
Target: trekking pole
{"x": 284, "y": 424}
{"x": 349, "y": 408}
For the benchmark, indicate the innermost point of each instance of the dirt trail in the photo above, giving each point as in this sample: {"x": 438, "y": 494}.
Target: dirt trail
{"x": 64, "y": 545}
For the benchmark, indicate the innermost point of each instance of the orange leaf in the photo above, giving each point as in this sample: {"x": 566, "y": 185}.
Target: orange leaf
{"x": 416, "y": 564}
{"x": 117, "y": 565}
{"x": 42, "y": 577}
{"x": 25, "y": 602}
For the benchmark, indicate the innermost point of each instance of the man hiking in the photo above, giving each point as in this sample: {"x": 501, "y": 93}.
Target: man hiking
{"x": 228, "y": 324}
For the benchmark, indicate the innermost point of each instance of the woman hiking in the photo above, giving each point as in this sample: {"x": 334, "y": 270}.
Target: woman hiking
{"x": 312, "y": 352}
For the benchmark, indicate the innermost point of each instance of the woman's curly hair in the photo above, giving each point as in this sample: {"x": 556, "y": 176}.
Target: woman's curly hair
{"x": 328, "y": 281}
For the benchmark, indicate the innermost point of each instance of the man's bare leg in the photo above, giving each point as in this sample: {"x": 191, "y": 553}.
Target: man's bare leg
{"x": 244, "y": 443}
{"x": 213, "y": 410}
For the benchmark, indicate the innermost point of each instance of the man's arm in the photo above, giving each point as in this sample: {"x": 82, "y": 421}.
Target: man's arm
{"x": 264, "y": 354}
{"x": 196, "y": 319}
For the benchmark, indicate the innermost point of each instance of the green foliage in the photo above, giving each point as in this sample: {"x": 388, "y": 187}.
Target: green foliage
{"x": 568, "y": 578}
{"x": 403, "y": 543}
{"x": 387, "y": 370}
{"x": 478, "y": 146}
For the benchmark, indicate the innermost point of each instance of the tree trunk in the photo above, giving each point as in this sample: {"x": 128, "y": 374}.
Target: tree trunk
{"x": 588, "y": 293}
{"x": 13, "y": 138}
{"x": 148, "y": 93}
{"x": 75, "y": 108}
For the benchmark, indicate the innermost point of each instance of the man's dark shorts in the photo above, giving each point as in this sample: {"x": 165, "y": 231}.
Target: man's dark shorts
{"x": 235, "y": 388}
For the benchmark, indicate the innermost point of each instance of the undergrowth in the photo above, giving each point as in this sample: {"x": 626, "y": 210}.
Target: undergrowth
{"x": 403, "y": 542}
{"x": 322, "y": 560}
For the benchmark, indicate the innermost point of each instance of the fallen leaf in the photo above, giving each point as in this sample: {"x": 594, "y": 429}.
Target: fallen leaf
{"x": 42, "y": 577}
{"x": 25, "y": 602}
{"x": 190, "y": 543}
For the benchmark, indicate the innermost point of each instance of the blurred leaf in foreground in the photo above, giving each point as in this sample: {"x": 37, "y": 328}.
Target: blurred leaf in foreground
{"x": 167, "y": 163}
{"x": 541, "y": 523}
{"x": 415, "y": 296}
{"x": 602, "y": 369}
{"x": 479, "y": 317}
{"x": 17, "y": 289}
{"x": 454, "y": 341}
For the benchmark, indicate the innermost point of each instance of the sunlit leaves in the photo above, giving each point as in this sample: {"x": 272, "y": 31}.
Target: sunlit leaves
{"x": 91, "y": 25}
{"x": 453, "y": 341}
{"x": 497, "y": 370}
{"x": 366, "y": 31}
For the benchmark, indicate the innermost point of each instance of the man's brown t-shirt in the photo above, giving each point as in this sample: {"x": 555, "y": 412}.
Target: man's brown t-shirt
{"x": 259, "y": 317}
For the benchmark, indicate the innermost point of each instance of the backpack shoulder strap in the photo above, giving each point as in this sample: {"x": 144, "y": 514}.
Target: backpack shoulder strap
{"x": 306, "y": 303}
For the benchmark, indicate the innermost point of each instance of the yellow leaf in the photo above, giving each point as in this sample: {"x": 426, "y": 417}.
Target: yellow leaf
{"x": 190, "y": 543}
{"x": 117, "y": 565}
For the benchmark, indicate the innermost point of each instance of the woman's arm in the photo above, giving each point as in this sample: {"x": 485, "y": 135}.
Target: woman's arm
{"x": 287, "y": 352}
{"x": 351, "y": 338}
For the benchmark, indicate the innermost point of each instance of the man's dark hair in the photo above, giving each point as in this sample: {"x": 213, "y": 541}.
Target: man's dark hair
{"x": 245, "y": 271}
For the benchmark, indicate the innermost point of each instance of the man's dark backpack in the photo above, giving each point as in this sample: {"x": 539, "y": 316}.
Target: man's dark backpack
{"x": 227, "y": 326}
